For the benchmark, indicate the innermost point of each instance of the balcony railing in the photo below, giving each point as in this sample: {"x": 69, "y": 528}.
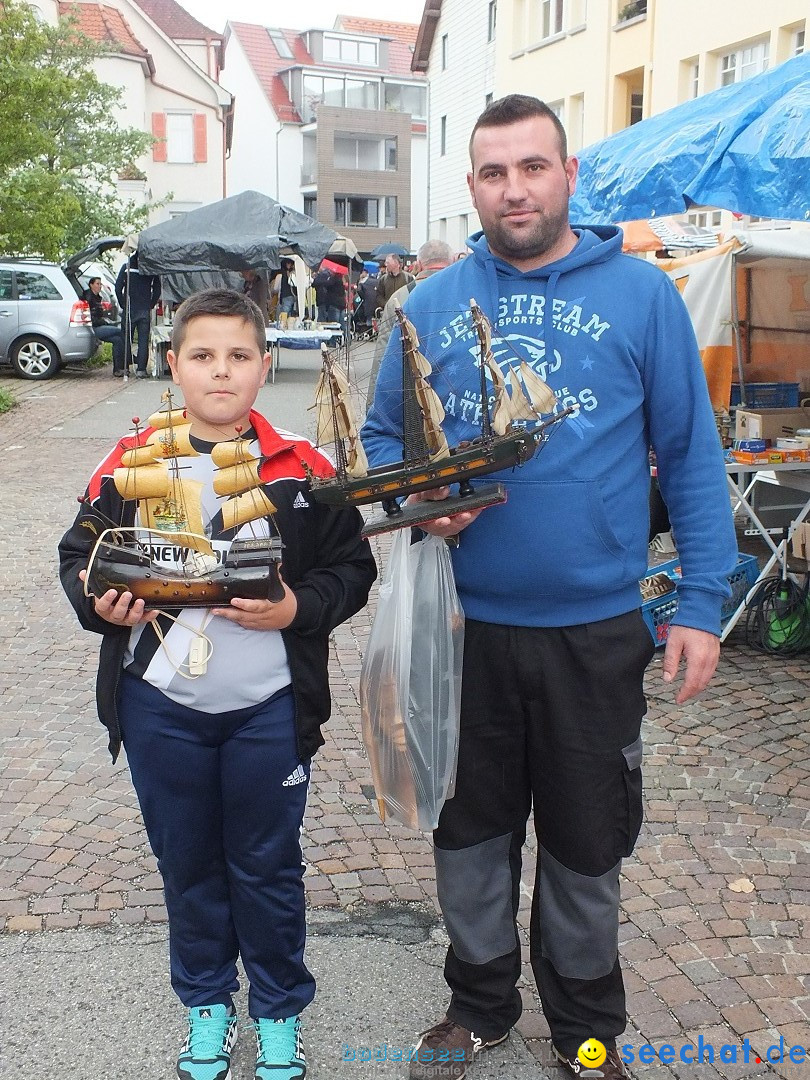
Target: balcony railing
{"x": 308, "y": 174}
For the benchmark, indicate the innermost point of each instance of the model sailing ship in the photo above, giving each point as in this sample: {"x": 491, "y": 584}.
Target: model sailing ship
{"x": 170, "y": 512}
{"x": 427, "y": 460}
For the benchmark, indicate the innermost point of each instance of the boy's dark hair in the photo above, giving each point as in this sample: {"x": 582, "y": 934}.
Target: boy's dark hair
{"x": 515, "y": 107}
{"x": 225, "y": 302}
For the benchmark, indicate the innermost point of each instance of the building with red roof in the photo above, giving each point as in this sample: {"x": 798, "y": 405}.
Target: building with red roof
{"x": 167, "y": 65}
{"x": 333, "y": 122}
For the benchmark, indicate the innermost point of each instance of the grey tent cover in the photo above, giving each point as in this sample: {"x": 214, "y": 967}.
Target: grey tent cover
{"x": 243, "y": 232}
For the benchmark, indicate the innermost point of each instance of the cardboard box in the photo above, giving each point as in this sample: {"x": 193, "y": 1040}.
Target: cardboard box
{"x": 771, "y": 424}
{"x": 801, "y": 541}
{"x": 746, "y": 457}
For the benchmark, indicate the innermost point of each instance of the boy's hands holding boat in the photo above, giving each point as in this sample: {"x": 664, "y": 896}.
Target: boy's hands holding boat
{"x": 446, "y": 527}
{"x": 119, "y": 609}
{"x": 261, "y": 614}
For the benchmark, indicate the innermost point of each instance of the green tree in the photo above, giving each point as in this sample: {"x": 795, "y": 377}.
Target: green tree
{"x": 61, "y": 149}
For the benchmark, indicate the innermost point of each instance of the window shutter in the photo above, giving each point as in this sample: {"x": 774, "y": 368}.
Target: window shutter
{"x": 159, "y": 132}
{"x": 200, "y": 137}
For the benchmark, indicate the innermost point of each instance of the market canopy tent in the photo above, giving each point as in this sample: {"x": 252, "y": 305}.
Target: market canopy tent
{"x": 743, "y": 148}
{"x": 249, "y": 231}
{"x": 749, "y": 301}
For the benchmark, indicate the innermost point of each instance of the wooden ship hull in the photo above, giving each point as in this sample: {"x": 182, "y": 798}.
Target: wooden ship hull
{"x": 400, "y": 479}
{"x": 250, "y": 571}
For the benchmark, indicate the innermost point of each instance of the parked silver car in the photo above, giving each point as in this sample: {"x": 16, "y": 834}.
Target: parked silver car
{"x": 44, "y": 320}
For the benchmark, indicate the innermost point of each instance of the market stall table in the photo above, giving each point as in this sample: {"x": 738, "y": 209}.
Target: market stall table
{"x": 278, "y": 339}
{"x": 742, "y": 478}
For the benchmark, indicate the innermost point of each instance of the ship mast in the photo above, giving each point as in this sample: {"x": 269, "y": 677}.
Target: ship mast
{"x": 414, "y": 441}
{"x": 482, "y": 329}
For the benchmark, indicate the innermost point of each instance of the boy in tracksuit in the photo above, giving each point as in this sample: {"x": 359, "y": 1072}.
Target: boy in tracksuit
{"x": 220, "y": 757}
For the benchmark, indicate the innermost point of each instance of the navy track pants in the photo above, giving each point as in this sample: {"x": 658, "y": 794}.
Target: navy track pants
{"x": 223, "y": 799}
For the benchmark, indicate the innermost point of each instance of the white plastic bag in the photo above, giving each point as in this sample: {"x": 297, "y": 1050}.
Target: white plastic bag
{"x": 410, "y": 683}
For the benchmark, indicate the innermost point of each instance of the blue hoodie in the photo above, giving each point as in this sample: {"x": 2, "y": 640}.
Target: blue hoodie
{"x": 570, "y": 543}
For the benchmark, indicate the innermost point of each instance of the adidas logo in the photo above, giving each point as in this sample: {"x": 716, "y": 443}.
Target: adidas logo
{"x": 296, "y": 777}
{"x": 299, "y": 502}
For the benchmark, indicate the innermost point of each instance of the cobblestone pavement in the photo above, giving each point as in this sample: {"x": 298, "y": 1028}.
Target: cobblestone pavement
{"x": 716, "y": 902}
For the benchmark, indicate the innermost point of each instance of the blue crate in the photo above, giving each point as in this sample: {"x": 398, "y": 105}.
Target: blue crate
{"x": 659, "y": 612}
{"x": 767, "y": 395}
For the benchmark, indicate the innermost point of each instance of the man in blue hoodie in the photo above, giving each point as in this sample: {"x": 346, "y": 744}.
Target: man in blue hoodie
{"x": 555, "y": 647}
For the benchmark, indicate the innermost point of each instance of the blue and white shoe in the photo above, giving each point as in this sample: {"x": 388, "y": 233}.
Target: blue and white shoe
{"x": 279, "y": 1050}
{"x": 206, "y": 1053}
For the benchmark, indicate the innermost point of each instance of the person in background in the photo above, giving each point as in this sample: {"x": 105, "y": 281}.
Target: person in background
{"x": 143, "y": 291}
{"x": 555, "y": 646}
{"x": 433, "y": 255}
{"x": 220, "y": 758}
{"x": 286, "y": 288}
{"x": 105, "y": 327}
{"x": 330, "y": 294}
{"x": 393, "y": 278}
{"x": 256, "y": 288}
{"x": 367, "y": 287}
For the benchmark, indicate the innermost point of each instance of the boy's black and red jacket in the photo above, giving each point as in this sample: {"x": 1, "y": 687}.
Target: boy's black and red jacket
{"x": 326, "y": 564}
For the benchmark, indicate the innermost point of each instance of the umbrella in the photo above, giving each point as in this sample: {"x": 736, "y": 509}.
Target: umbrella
{"x": 343, "y": 251}
{"x": 381, "y": 250}
{"x": 744, "y": 148}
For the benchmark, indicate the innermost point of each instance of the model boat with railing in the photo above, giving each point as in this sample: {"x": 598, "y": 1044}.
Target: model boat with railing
{"x": 505, "y": 441}
{"x": 167, "y": 506}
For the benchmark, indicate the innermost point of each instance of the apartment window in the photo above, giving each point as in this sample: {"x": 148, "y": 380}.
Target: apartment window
{"x": 558, "y": 108}
{"x": 354, "y": 152}
{"x": 390, "y": 211}
{"x": 406, "y": 98}
{"x": 694, "y": 79}
{"x": 798, "y": 43}
{"x": 180, "y": 138}
{"x": 705, "y": 219}
{"x": 320, "y": 91}
{"x": 443, "y": 136}
{"x": 444, "y": 52}
{"x": 282, "y": 47}
{"x": 492, "y": 11}
{"x": 636, "y": 108}
{"x": 311, "y": 206}
{"x": 551, "y": 18}
{"x": 744, "y": 63}
{"x": 631, "y": 10}
{"x": 357, "y": 210}
{"x": 391, "y": 154}
{"x": 350, "y": 51}
{"x": 362, "y": 94}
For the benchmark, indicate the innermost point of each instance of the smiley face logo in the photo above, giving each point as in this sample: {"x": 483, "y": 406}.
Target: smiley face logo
{"x": 592, "y": 1053}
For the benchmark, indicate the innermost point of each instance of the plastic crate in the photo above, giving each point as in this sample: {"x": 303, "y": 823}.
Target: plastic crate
{"x": 767, "y": 395}
{"x": 659, "y": 612}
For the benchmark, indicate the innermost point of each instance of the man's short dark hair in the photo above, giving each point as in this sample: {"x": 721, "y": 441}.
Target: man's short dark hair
{"x": 92, "y": 279}
{"x": 515, "y": 107}
{"x": 218, "y": 302}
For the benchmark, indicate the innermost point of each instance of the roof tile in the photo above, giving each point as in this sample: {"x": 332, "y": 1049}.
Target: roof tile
{"x": 105, "y": 25}
{"x": 176, "y": 22}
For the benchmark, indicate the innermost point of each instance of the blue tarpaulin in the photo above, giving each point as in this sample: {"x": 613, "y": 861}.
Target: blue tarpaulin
{"x": 743, "y": 148}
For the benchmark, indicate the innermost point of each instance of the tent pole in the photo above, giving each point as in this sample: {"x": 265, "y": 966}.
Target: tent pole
{"x": 735, "y": 325}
